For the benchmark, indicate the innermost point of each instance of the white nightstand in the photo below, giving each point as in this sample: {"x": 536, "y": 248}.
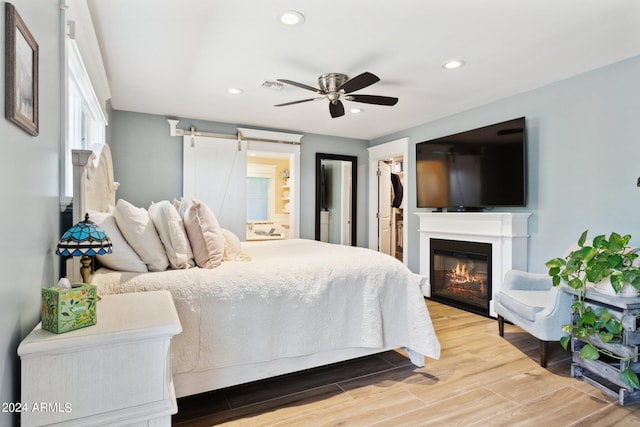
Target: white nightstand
{"x": 117, "y": 372}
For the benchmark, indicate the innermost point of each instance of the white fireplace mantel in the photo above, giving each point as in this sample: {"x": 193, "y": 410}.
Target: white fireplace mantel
{"x": 506, "y": 232}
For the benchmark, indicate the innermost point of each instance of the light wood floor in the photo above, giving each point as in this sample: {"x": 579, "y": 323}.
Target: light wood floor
{"x": 480, "y": 380}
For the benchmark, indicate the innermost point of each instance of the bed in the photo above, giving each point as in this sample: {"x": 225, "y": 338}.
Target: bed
{"x": 284, "y": 306}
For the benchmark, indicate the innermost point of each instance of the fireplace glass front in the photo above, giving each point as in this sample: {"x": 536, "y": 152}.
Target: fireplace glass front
{"x": 461, "y": 274}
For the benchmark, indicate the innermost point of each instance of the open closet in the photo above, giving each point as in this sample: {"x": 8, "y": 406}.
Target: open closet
{"x": 391, "y": 206}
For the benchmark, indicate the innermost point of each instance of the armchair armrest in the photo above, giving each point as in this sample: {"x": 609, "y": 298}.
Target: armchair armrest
{"x": 523, "y": 280}
{"x": 558, "y": 304}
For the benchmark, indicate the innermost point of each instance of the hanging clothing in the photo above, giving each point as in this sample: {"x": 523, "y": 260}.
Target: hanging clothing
{"x": 397, "y": 190}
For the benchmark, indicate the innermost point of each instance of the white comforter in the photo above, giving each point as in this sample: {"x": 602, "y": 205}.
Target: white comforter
{"x": 294, "y": 298}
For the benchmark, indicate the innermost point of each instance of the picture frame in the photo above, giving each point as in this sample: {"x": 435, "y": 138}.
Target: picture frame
{"x": 21, "y": 73}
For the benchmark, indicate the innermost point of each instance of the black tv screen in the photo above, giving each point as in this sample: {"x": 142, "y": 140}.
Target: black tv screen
{"x": 472, "y": 170}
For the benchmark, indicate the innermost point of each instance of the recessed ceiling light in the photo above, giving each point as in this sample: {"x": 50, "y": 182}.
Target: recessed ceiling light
{"x": 453, "y": 64}
{"x": 291, "y": 17}
{"x": 235, "y": 91}
{"x": 356, "y": 110}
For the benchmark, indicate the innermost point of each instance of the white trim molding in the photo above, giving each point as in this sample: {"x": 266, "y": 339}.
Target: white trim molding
{"x": 506, "y": 232}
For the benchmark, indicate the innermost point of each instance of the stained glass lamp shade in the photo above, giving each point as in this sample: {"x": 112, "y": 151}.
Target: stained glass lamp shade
{"x": 84, "y": 239}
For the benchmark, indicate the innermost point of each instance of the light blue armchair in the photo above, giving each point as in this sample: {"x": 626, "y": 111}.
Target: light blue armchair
{"x": 531, "y": 302}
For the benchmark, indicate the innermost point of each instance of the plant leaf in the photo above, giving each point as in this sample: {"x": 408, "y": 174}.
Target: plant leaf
{"x": 589, "y": 352}
{"x": 616, "y": 242}
{"x": 555, "y": 263}
{"x": 583, "y": 238}
{"x": 599, "y": 241}
{"x": 588, "y": 253}
{"x": 554, "y": 271}
{"x": 614, "y": 326}
{"x": 630, "y": 378}
{"x": 575, "y": 283}
{"x": 605, "y": 337}
{"x": 588, "y": 318}
{"x": 564, "y": 341}
{"x": 595, "y": 272}
{"x": 601, "y": 312}
{"x": 614, "y": 260}
{"x": 616, "y": 282}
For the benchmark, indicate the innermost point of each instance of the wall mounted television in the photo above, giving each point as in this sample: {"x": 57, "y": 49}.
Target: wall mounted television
{"x": 474, "y": 170}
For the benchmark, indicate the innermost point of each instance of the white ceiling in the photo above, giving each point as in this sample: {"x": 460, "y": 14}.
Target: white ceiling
{"x": 178, "y": 57}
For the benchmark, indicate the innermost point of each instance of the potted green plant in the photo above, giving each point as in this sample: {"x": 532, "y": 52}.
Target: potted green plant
{"x": 600, "y": 262}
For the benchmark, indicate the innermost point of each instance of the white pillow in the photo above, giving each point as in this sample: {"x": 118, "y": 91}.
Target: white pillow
{"x": 141, "y": 234}
{"x": 233, "y": 247}
{"x": 170, "y": 227}
{"x": 205, "y": 235}
{"x": 180, "y": 205}
{"x": 123, "y": 257}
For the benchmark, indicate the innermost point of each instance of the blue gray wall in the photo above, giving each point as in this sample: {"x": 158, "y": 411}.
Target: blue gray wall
{"x": 583, "y": 167}
{"x": 148, "y": 163}
{"x": 583, "y": 157}
{"x": 29, "y": 182}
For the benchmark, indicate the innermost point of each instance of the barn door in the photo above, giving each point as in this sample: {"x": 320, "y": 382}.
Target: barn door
{"x": 215, "y": 171}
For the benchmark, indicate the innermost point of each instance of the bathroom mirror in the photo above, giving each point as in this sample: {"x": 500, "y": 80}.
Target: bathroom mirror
{"x": 336, "y": 198}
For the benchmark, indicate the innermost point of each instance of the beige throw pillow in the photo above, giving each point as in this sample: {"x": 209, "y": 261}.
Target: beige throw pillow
{"x": 171, "y": 230}
{"x": 233, "y": 247}
{"x": 141, "y": 234}
{"x": 123, "y": 257}
{"x": 205, "y": 234}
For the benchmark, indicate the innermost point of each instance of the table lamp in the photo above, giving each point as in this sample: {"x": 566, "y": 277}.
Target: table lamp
{"x": 84, "y": 239}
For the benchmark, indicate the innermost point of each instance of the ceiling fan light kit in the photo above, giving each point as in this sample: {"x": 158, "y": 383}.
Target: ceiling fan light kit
{"x": 333, "y": 86}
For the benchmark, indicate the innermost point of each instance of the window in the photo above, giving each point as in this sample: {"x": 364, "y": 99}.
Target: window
{"x": 86, "y": 120}
{"x": 260, "y": 192}
{"x": 257, "y": 199}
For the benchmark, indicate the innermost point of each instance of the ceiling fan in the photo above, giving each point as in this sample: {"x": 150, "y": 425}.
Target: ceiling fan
{"x": 333, "y": 86}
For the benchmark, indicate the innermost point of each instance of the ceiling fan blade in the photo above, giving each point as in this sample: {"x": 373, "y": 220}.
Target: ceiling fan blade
{"x": 298, "y": 102}
{"x": 359, "y": 82}
{"x": 373, "y": 99}
{"x": 300, "y": 85}
{"x": 336, "y": 110}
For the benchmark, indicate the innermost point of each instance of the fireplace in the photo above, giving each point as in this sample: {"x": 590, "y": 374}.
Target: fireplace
{"x": 505, "y": 232}
{"x": 461, "y": 274}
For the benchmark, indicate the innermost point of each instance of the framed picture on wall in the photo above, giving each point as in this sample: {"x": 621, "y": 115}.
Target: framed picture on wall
{"x": 21, "y": 73}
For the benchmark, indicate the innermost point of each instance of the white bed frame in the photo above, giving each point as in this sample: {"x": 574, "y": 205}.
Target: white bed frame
{"x": 95, "y": 189}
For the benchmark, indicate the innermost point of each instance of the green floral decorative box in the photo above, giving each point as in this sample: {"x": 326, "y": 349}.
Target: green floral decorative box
{"x": 64, "y": 310}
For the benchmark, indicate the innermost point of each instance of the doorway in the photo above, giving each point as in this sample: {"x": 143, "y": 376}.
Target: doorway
{"x": 391, "y": 206}
{"x": 387, "y": 205}
{"x": 268, "y": 195}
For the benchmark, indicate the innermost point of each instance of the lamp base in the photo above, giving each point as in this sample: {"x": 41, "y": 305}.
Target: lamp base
{"x": 85, "y": 269}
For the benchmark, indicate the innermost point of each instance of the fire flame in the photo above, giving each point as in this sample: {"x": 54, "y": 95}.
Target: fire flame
{"x": 464, "y": 282}
{"x": 461, "y": 274}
